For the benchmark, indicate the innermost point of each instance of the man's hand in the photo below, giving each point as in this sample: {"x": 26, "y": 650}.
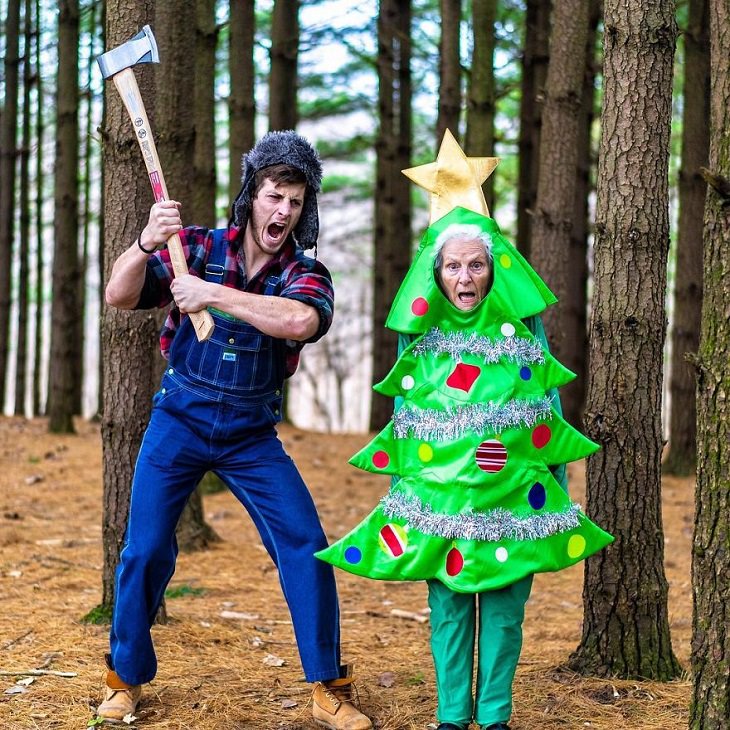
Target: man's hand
{"x": 164, "y": 220}
{"x": 191, "y": 294}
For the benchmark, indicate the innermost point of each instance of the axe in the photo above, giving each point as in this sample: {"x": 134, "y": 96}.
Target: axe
{"x": 118, "y": 64}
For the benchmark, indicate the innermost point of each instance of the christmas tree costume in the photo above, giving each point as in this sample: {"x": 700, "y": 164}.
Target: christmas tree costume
{"x": 474, "y": 507}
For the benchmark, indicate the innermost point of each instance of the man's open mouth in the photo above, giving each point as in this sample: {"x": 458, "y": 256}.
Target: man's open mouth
{"x": 467, "y": 296}
{"x": 275, "y": 230}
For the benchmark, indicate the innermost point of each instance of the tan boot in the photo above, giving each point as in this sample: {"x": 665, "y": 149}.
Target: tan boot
{"x": 120, "y": 699}
{"x": 332, "y": 706}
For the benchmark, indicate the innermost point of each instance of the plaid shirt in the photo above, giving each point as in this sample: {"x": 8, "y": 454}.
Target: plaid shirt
{"x": 303, "y": 278}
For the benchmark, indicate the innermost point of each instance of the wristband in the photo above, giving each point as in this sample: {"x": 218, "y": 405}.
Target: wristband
{"x": 142, "y": 248}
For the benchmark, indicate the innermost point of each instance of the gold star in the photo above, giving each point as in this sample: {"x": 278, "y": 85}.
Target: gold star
{"x": 453, "y": 179}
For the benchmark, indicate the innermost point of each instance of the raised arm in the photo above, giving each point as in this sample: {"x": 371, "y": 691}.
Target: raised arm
{"x": 128, "y": 272}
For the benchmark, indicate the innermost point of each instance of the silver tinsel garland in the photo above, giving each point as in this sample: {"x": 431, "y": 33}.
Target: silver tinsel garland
{"x": 431, "y": 424}
{"x": 492, "y": 526}
{"x": 456, "y": 344}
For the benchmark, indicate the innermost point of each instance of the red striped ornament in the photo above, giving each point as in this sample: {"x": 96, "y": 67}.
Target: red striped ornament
{"x": 491, "y": 456}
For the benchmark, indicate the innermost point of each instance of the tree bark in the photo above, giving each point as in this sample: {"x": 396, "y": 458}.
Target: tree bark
{"x": 710, "y": 704}
{"x": 283, "y": 82}
{"x": 554, "y": 219}
{"x": 392, "y": 243}
{"x": 66, "y": 269}
{"x": 177, "y": 85}
{"x": 129, "y": 338}
{"x": 626, "y": 626}
{"x": 576, "y": 298}
{"x": 242, "y": 99}
{"x": 8, "y": 152}
{"x": 40, "y": 240}
{"x": 681, "y": 458}
{"x": 21, "y": 359}
{"x": 202, "y": 203}
{"x": 449, "y": 99}
{"x": 534, "y": 75}
{"x": 481, "y": 95}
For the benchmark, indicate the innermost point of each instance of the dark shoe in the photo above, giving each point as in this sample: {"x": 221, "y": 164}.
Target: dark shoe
{"x": 450, "y": 726}
{"x": 496, "y": 726}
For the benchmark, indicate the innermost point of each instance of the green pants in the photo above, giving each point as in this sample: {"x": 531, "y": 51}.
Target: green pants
{"x": 453, "y": 634}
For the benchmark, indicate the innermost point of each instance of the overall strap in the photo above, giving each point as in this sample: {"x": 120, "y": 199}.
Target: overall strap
{"x": 215, "y": 266}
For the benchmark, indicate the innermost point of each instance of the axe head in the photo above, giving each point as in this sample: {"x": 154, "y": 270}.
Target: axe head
{"x": 142, "y": 48}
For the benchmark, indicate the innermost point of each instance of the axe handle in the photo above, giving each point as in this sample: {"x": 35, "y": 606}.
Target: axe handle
{"x": 128, "y": 89}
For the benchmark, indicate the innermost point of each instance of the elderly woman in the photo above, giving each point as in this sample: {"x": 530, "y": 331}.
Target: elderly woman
{"x": 476, "y": 504}
{"x": 463, "y": 271}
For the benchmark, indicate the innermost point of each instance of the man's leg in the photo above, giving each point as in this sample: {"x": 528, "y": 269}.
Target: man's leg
{"x": 268, "y": 484}
{"x": 452, "y": 646}
{"x": 501, "y": 613}
{"x": 167, "y": 470}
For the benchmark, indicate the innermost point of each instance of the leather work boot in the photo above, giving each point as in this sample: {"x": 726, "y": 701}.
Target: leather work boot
{"x": 120, "y": 699}
{"x": 332, "y": 706}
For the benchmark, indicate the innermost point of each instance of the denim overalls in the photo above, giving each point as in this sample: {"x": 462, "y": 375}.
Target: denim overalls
{"x": 215, "y": 411}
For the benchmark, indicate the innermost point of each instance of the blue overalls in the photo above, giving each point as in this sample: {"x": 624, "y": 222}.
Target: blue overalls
{"x": 215, "y": 411}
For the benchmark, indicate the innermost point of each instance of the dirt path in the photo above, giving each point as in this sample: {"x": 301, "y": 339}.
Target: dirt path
{"x": 228, "y": 617}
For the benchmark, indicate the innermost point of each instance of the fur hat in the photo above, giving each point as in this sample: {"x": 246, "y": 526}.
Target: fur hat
{"x": 287, "y": 148}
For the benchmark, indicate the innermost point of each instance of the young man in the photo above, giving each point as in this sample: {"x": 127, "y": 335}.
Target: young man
{"x": 217, "y": 408}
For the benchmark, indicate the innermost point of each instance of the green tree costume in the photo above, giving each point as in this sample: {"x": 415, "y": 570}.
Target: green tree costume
{"x": 474, "y": 506}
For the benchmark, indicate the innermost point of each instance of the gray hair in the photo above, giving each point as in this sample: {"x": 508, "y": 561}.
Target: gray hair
{"x": 468, "y": 231}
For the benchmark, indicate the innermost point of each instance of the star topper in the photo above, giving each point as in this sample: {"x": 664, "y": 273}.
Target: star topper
{"x": 453, "y": 179}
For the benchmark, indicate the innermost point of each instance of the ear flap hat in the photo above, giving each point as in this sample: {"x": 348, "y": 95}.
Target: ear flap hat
{"x": 283, "y": 148}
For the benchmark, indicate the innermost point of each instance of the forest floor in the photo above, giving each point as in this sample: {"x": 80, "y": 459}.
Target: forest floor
{"x": 227, "y": 658}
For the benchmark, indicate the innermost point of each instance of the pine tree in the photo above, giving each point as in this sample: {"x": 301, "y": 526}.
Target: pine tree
{"x": 475, "y": 503}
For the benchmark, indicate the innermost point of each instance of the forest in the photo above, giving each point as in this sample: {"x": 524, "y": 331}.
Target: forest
{"x": 611, "y": 123}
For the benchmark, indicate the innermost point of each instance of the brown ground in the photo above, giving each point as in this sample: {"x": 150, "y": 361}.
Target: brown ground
{"x": 212, "y": 672}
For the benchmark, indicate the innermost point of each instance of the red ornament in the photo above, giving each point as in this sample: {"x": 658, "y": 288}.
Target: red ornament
{"x": 541, "y": 435}
{"x": 454, "y": 562}
{"x": 380, "y": 459}
{"x": 393, "y": 542}
{"x": 463, "y": 377}
{"x": 419, "y": 306}
{"x": 491, "y": 456}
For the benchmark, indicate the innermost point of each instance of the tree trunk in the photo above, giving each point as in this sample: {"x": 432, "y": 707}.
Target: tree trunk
{"x": 449, "y": 100}
{"x": 202, "y": 203}
{"x": 626, "y": 627}
{"x": 129, "y": 339}
{"x": 554, "y": 219}
{"x": 65, "y": 311}
{"x": 242, "y": 99}
{"x": 576, "y": 298}
{"x": 392, "y": 243}
{"x": 681, "y": 458}
{"x": 283, "y": 82}
{"x": 710, "y": 705}
{"x": 40, "y": 239}
{"x": 534, "y": 75}
{"x": 21, "y": 360}
{"x": 481, "y": 100}
{"x": 8, "y": 151}
{"x": 177, "y": 84}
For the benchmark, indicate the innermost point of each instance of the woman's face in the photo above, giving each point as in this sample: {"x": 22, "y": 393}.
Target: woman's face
{"x": 465, "y": 272}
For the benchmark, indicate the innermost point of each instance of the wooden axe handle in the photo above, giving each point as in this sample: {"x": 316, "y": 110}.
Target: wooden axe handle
{"x": 128, "y": 89}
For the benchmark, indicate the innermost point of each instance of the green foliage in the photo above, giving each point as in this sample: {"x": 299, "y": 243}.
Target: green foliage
{"x": 95, "y": 721}
{"x": 98, "y": 616}
{"x": 183, "y": 590}
{"x": 357, "y": 188}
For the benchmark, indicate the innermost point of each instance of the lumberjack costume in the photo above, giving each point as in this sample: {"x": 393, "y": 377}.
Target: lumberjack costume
{"x": 216, "y": 411}
{"x": 477, "y": 447}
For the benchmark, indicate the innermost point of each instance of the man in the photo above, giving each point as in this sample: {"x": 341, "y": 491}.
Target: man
{"x": 217, "y": 408}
